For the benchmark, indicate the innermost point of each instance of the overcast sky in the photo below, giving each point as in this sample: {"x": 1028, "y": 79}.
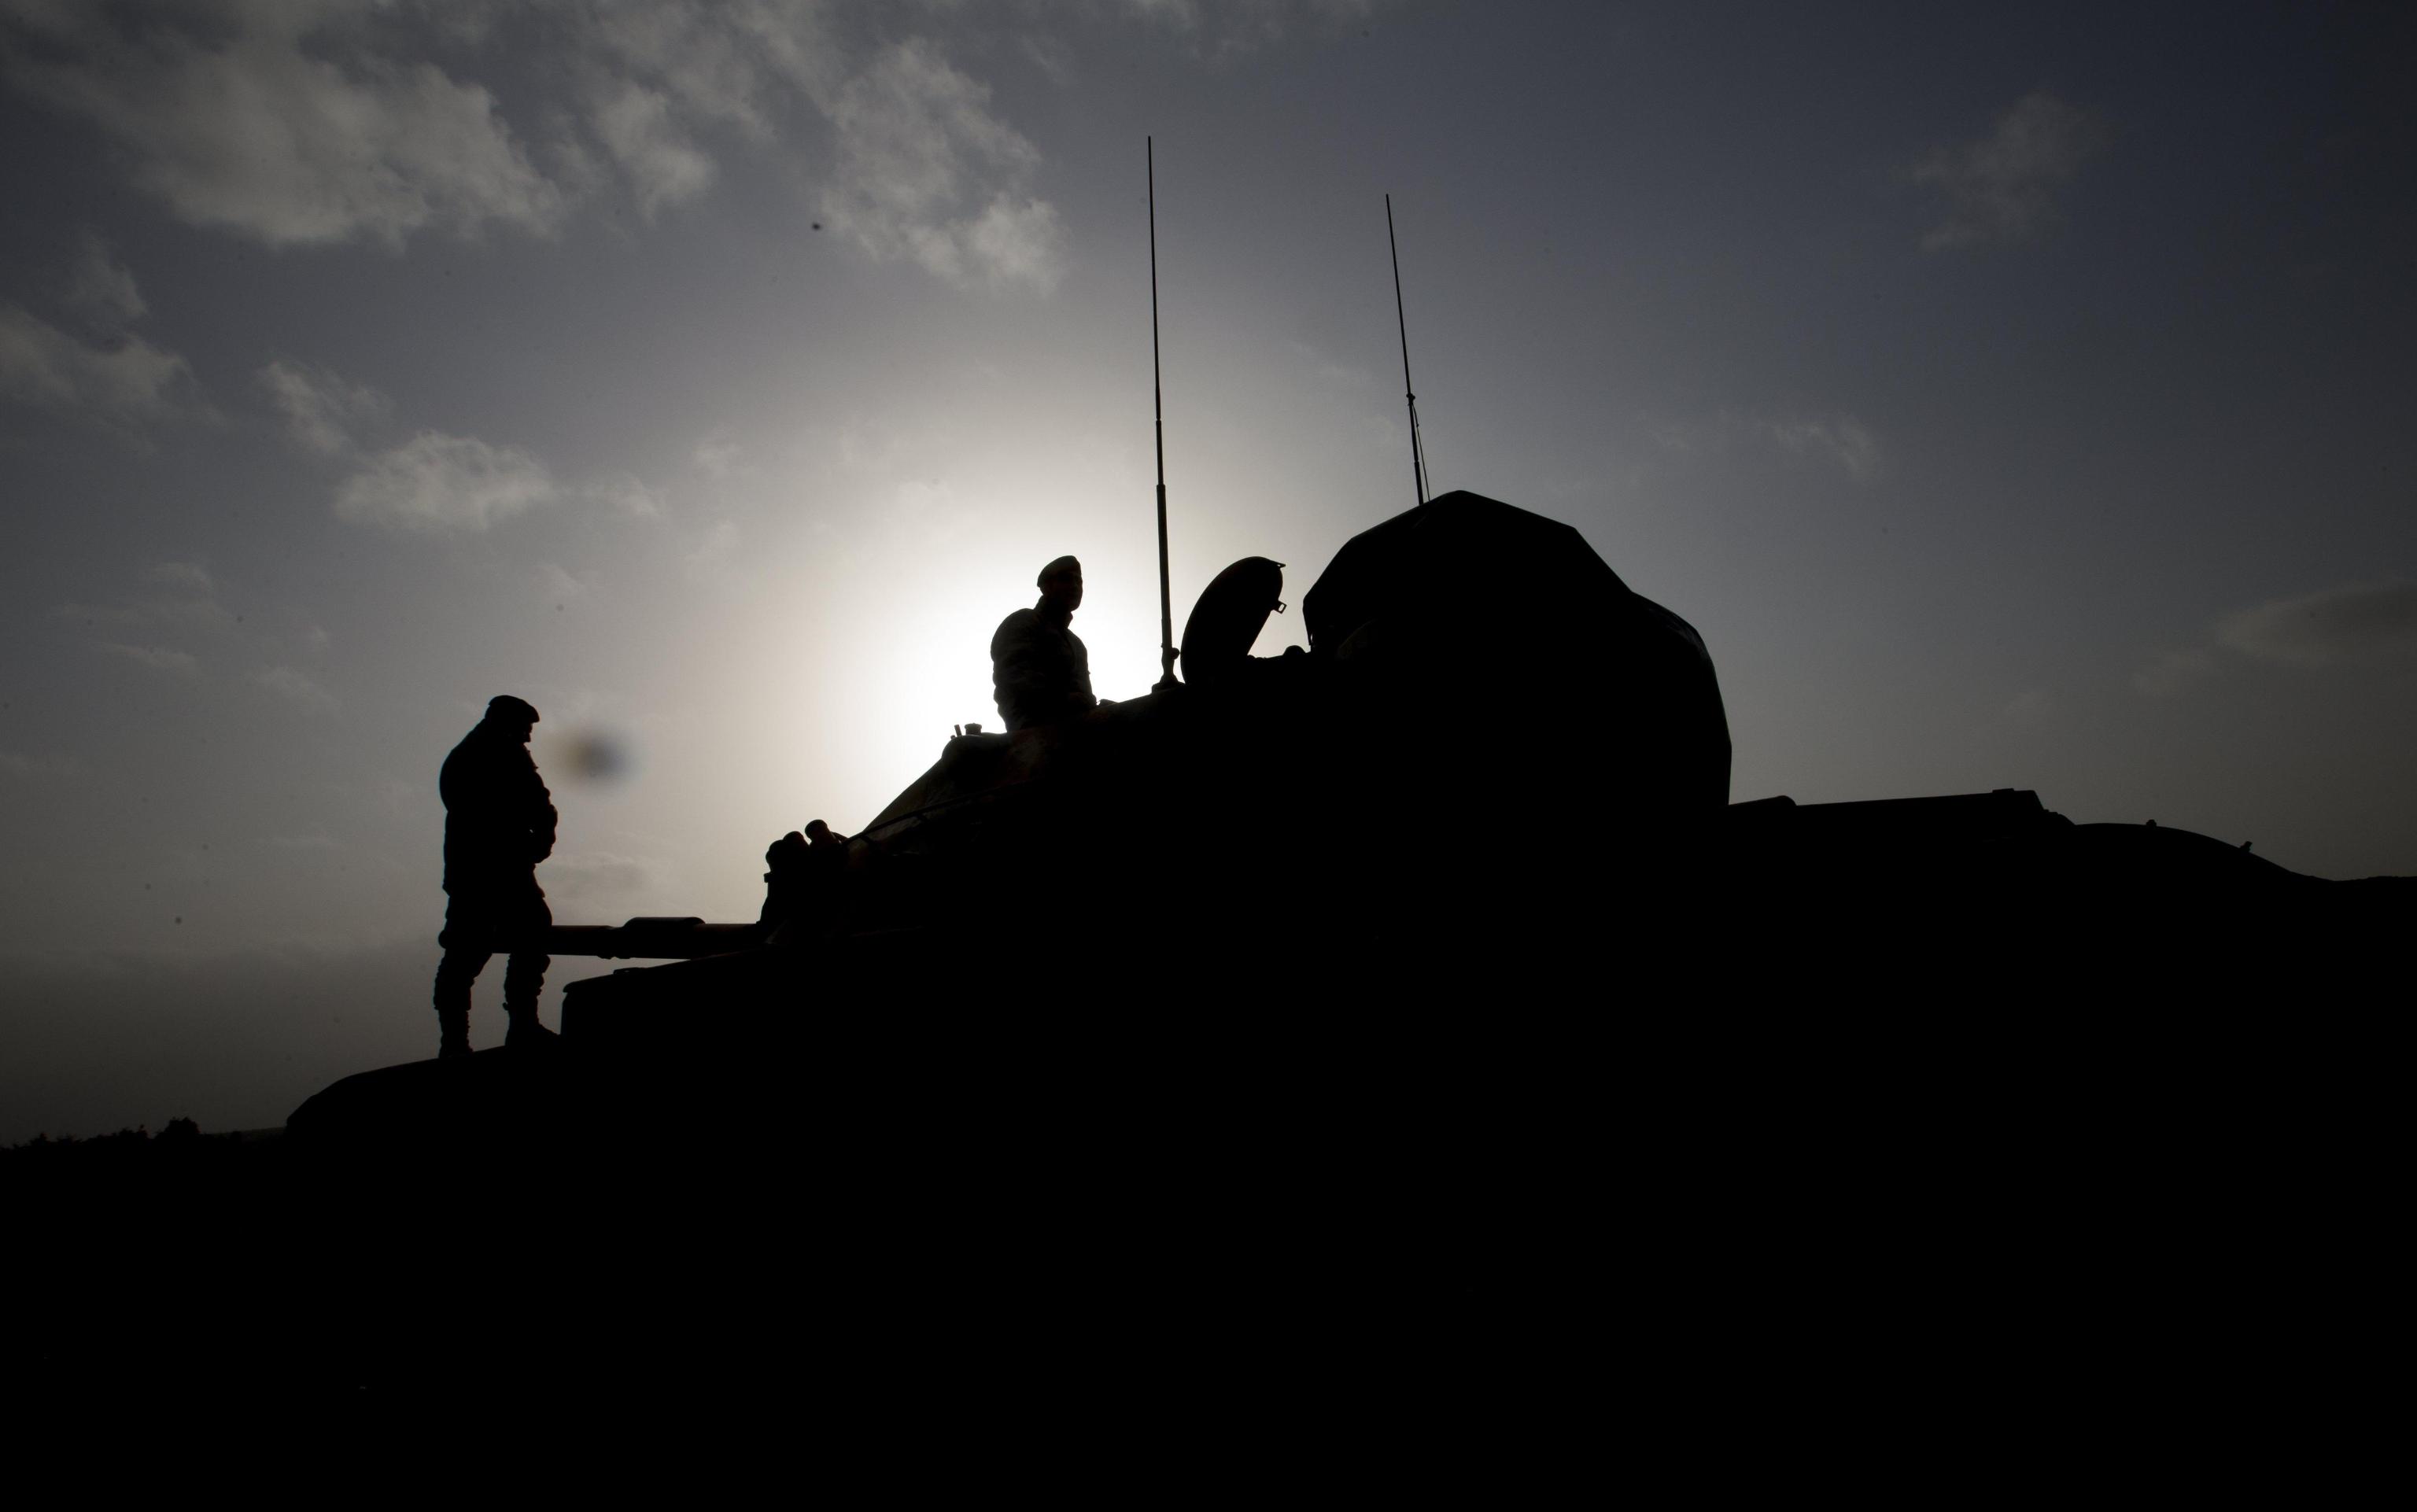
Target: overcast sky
{"x": 2012, "y": 396}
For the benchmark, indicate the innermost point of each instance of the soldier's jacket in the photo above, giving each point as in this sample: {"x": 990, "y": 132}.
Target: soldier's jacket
{"x": 1039, "y": 672}
{"x": 499, "y": 818}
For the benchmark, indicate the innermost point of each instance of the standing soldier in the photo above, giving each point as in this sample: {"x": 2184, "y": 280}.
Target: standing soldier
{"x": 498, "y": 825}
{"x": 1040, "y": 670}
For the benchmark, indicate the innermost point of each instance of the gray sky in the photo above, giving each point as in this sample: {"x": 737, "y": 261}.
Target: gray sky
{"x": 2013, "y": 396}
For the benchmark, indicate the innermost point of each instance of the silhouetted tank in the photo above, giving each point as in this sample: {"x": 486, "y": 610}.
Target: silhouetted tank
{"x": 1497, "y": 783}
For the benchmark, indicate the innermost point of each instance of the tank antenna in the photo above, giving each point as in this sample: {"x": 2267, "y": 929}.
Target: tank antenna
{"x": 1157, "y": 429}
{"x": 1418, "y": 448}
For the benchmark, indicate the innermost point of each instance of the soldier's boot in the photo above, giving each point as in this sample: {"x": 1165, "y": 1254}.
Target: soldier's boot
{"x": 525, "y": 1031}
{"x": 452, "y": 1034}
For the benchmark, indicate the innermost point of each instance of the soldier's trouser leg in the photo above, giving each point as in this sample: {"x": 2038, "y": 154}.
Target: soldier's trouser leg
{"x": 523, "y": 981}
{"x": 454, "y": 974}
{"x": 524, "y": 972}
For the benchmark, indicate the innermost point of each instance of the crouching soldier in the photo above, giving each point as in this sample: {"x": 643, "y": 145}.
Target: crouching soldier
{"x": 804, "y": 868}
{"x": 499, "y": 822}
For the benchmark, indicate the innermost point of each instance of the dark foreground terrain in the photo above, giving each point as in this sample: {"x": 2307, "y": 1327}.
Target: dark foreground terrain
{"x": 1820, "y": 1196}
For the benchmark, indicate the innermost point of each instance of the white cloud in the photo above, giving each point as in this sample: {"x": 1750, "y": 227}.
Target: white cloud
{"x": 1053, "y": 58}
{"x": 157, "y": 658}
{"x": 1016, "y": 241}
{"x": 2004, "y": 186}
{"x": 663, "y": 164}
{"x": 2360, "y": 624}
{"x": 101, "y": 288}
{"x": 726, "y": 62}
{"x": 2363, "y": 625}
{"x": 926, "y": 171}
{"x": 124, "y": 379}
{"x": 323, "y": 412}
{"x": 1843, "y": 441}
{"x": 245, "y": 129}
{"x": 99, "y": 365}
{"x": 435, "y": 484}
{"x": 718, "y": 456}
{"x": 315, "y": 123}
{"x": 295, "y": 688}
{"x": 628, "y": 495}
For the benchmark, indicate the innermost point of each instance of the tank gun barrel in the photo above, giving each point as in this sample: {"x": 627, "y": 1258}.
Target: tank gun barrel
{"x": 651, "y": 939}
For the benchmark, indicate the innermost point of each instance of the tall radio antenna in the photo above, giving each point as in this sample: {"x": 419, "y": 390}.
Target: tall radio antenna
{"x": 1157, "y": 429}
{"x": 1418, "y": 447}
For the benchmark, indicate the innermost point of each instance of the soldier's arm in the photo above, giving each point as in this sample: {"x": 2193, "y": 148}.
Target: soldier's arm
{"x": 1016, "y": 657}
{"x": 542, "y": 818}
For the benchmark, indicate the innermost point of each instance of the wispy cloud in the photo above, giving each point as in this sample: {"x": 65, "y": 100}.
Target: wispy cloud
{"x": 120, "y": 377}
{"x": 100, "y": 288}
{"x": 628, "y": 495}
{"x": 183, "y": 594}
{"x": 157, "y": 658}
{"x": 297, "y": 688}
{"x": 1225, "y": 28}
{"x": 2004, "y": 186}
{"x": 434, "y": 483}
{"x": 2360, "y": 625}
{"x": 927, "y": 171}
{"x": 663, "y": 164}
{"x": 237, "y": 124}
{"x": 1843, "y": 441}
{"x": 560, "y": 586}
{"x": 437, "y": 484}
{"x": 323, "y": 412}
{"x": 317, "y": 123}
{"x": 719, "y": 539}
{"x": 191, "y": 577}
{"x": 88, "y": 358}
{"x": 719, "y": 456}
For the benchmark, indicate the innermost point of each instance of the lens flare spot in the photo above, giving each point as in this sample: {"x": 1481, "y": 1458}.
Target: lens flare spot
{"x": 593, "y": 756}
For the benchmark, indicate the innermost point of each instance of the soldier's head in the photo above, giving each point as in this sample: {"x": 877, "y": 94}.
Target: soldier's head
{"x": 512, "y": 715}
{"x": 1062, "y": 584}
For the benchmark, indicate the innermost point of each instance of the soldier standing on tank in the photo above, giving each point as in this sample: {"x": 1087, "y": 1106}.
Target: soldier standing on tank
{"x": 499, "y": 822}
{"x": 1040, "y": 670}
